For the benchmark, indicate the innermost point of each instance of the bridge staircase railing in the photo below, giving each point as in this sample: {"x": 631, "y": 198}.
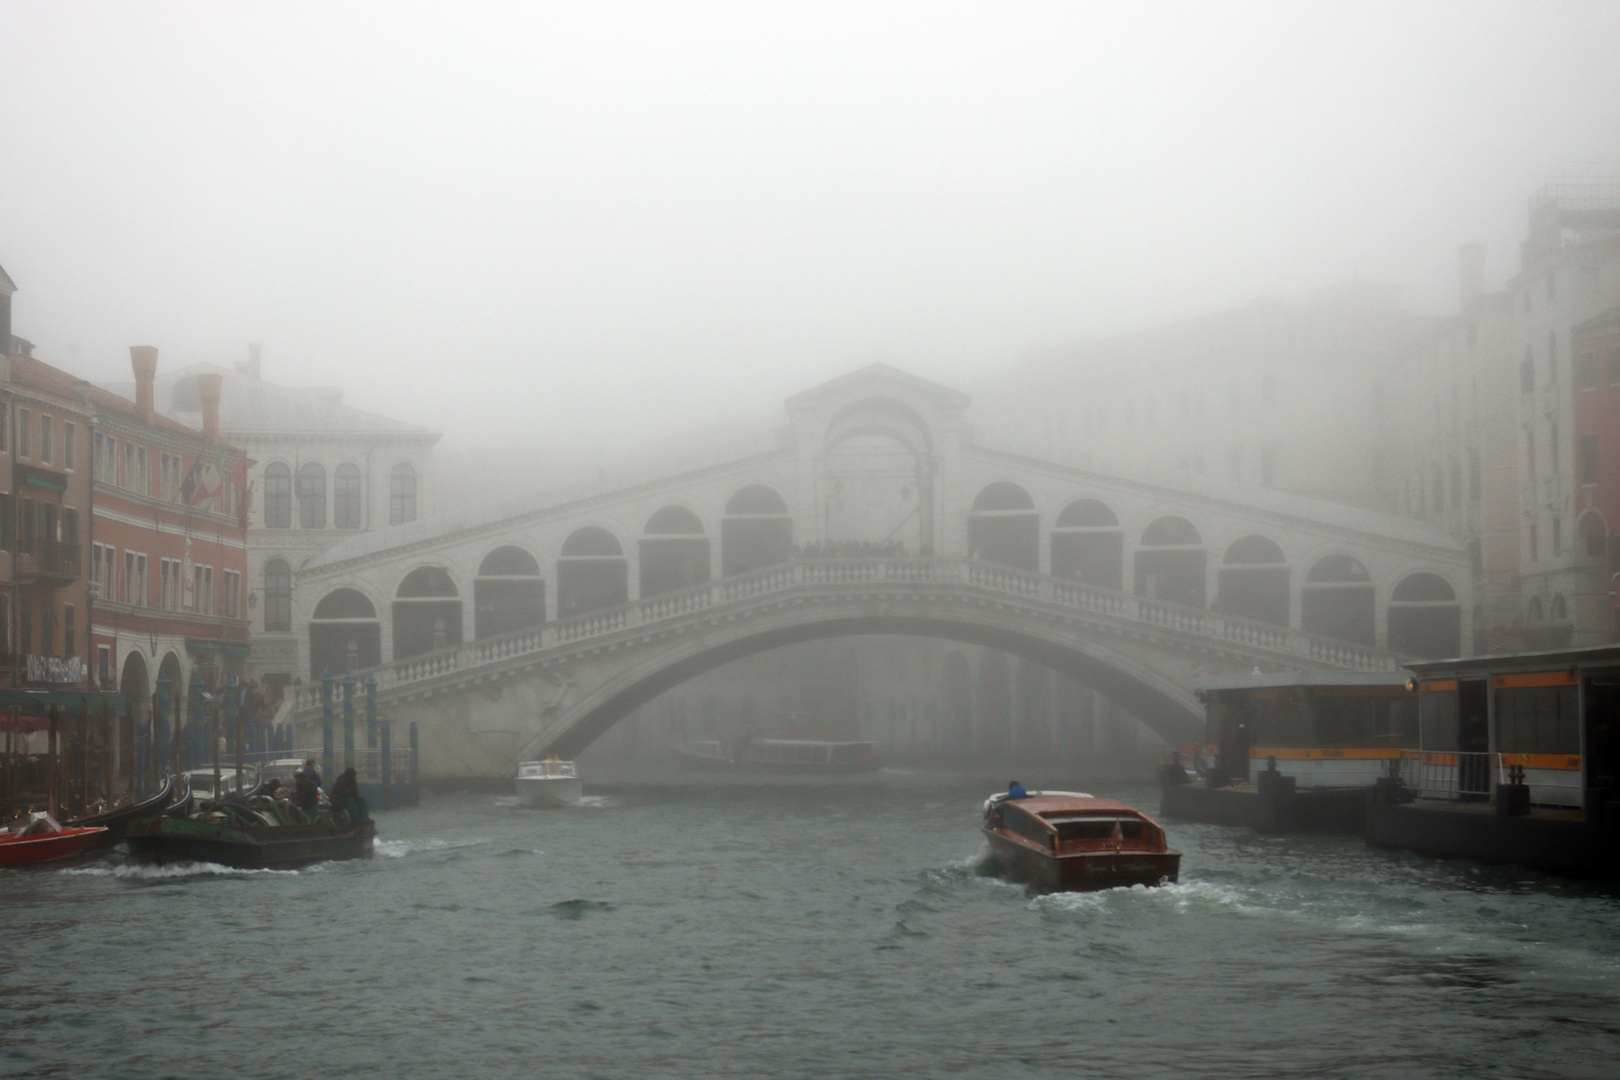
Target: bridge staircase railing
{"x": 1058, "y": 595}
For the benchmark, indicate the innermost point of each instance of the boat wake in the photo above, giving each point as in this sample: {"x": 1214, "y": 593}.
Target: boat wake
{"x": 399, "y": 849}
{"x": 597, "y": 802}
{"x": 168, "y": 871}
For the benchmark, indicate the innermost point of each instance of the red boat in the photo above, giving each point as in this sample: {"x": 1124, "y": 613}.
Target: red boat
{"x": 43, "y": 840}
{"x": 1071, "y": 840}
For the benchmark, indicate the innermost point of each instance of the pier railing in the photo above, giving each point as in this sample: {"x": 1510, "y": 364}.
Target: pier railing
{"x": 1459, "y": 776}
{"x": 826, "y": 576}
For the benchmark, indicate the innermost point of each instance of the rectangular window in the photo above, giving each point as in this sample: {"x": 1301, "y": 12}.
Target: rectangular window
{"x": 169, "y": 582}
{"x": 135, "y": 579}
{"x": 1552, "y": 447}
{"x": 47, "y": 629}
{"x": 69, "y": 453}
{"x": 70, "y": 644}
{"x": 231, "y": 597}
{"x": 104, "y": 665}
{"x": 70, "y": 528}
{"x": 1588, "y": 454}
{"x": 45, "y": 427}
{"x": 202, "y": 590}
{"x": 143, "y": 475}
{"x": 23, "y": 420}
{"x": 1558, "y": 536}
{"x": 170, "y": 469}
{"x": 1530, "y": 453}
{"x": 27, "y": 526}
{"x": 6, "y": 523}
{"x": 25, "y": 625}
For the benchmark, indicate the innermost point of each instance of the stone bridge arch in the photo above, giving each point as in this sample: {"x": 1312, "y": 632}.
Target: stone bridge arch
{"x": 1161, "y": 700}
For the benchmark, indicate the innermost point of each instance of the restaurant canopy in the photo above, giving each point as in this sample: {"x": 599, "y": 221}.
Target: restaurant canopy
{"x": 31, "y": 708}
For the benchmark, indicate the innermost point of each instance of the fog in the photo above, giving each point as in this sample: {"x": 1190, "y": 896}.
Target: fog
{"x": 589, "y": 224}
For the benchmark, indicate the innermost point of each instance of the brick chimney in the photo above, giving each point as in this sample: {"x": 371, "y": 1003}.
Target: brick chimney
{"x": 208, "y": 386}
{"x": 143, "y": 358}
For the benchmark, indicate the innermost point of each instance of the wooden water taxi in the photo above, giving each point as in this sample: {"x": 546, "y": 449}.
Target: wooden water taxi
{"x": 1071, "y": 840}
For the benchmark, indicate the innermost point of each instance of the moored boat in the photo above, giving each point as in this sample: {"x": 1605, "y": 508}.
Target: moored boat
{"x": 1071, "y": 840}
{"x": 809, "y": 757}
{"x": 257, "y": 833}
{"x": 549, "y": 782}
{"x": 43, "y": 840}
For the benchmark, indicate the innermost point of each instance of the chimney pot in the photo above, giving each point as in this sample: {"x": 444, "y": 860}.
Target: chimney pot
{"x": 208, "y": 387}
{"x": 143, "y": 358}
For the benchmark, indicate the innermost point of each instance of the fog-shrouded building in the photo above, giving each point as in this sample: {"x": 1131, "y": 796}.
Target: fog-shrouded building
{"x": 1505, "y": 414}
{"x": 321, "y": 471}
{"x": 1289, "y": 394}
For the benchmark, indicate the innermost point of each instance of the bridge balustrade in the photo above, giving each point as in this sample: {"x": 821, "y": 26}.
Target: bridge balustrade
{"x": 837, "y": 573}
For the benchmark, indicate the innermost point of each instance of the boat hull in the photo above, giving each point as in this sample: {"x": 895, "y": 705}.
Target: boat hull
{"x": 49, "y": 847}
{"x": 165, "y": 840}
{"x": 117, "y": 822}
{"x": 549, "y": 791}
{"x": 1081, "y": 871}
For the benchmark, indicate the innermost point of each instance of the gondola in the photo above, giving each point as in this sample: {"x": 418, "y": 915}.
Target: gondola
{"x": 118, "y": 819}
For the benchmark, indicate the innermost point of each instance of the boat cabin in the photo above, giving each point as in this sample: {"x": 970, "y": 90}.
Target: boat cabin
{"x": 1063, "y": 822}
{"x": 1336, "y": 730}
{"x": 1545, "y": 721}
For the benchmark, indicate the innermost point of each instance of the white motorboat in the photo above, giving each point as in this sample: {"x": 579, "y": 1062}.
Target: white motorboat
{"x": 548, "y": 783}
{"x": 201, "y": 782}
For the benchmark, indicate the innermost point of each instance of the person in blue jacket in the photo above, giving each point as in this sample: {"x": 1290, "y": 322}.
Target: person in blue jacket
{"x": 1015, "y": 790}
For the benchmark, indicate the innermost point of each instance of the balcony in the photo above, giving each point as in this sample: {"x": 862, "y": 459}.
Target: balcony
{"x": 51, "y": 562}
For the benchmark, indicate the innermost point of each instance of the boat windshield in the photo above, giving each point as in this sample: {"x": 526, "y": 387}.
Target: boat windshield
{"x": 1099, "y": 827}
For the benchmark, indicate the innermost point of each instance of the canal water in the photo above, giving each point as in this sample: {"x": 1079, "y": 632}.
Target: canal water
{"x": 809, "y": 931}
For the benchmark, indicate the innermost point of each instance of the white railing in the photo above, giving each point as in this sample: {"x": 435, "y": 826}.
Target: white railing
{"x": 831, "y": 575}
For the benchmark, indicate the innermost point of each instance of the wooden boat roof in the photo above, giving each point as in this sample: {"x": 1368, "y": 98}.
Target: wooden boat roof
{"x": 1041, "y": 805}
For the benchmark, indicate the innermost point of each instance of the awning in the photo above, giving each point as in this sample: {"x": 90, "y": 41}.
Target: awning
{"x": 38, "y": 702}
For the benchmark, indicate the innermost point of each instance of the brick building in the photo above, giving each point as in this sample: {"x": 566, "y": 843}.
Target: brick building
{"x": 168, "y": 560}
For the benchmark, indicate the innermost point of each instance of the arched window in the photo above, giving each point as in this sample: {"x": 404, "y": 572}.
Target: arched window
{"x": 1338, "y": 600}
{"x": 1253, "y": 581}
{"x": 277, "y": 496}
{"x": 344, "y": 634}
{"x": 1003, "y": 526}
{"x": 401, "y": 494}
{"x": 311, "y": 496}
{"x": 755, "y": 532}
{"x": 277, "y": 595}
{"x": 592, "y": 572}
{"x": 674, "y": 552}
{"x": 1170, "y": 562}
{"x": 509, "y": 594}
{"x": 1424, "y": 617}
{"x": 427, "y": 613}
{"x": 1559, "y": 611}
{"x": 346, "y": 496}
{"x": 1088, "y": 545}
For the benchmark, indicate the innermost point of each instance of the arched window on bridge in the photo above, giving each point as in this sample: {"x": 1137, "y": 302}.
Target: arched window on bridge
{"x": 592, "y": 572}
{"x": 311, "y": 496}
{"x": 674, "y": 552}
{"x": 1254, "y": 581}
{"x": 756, "y": 531}
{"x": 1003, "y": 527}
{"x": 1338, "y": 600}
{"x": 1088, "y": 545}
{"x": 508, "y": 593}
{"x": 344, "y": 634}
{"x": 277, "y": 596}
{"x": 1424, "y": 617}
{"x": 277, "y": 496}
{"x": 1170, "y": 563}
{"x": 427, "y": 613}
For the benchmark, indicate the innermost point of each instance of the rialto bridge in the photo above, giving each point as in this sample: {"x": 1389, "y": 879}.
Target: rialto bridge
{"x": 533, "y": 628}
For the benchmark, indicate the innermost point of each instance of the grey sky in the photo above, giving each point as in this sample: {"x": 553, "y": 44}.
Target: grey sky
{"x": 573, "y": 219}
